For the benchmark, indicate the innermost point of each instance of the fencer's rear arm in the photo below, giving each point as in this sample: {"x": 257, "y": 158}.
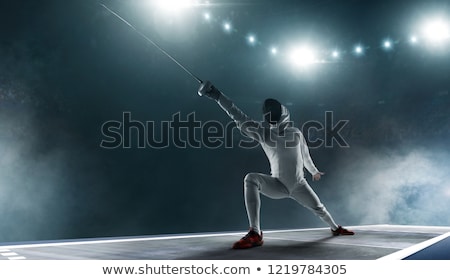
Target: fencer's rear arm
{"x": 307, "y": 160}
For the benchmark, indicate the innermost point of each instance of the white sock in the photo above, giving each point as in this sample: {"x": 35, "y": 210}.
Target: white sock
{"x": 257, "y": 230}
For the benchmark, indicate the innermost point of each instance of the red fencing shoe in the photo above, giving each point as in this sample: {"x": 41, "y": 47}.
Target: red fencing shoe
{"x": 342, "y": 231}
{"x": 250, "y": 240}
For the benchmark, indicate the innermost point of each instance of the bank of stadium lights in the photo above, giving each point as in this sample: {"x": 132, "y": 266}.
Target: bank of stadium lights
{"x": 434, "y": 33}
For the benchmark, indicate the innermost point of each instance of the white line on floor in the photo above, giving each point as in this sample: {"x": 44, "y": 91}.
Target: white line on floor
{"x": 176, "y": 236}
{"x": 9, "y": 254}
{"x": 17, "y": 258}
{"x": 335, "y": 243}
{"x": 415, "y": 248}
{"x": 137, "y": 239}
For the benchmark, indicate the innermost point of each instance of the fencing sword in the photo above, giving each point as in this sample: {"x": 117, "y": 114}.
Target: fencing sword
{"x": 152, "y": 42}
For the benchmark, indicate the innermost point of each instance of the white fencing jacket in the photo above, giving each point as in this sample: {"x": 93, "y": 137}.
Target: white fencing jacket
{"x": 283, "y": 144}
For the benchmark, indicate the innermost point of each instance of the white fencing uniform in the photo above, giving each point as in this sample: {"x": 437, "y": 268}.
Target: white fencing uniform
{"x": 288, "y": 154}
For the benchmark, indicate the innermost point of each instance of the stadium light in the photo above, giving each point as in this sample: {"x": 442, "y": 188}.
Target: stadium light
{"x": 227, "y": 27}
{"x": 274, "y": 51}
{"x": 335, "y": 54}
{"x": 303, "y": 57}
{"x": 251, "y": 39}
{"x": 358, "y": 50}
{"x": 387, "y": 44}
{"x": 174, "y": 6}
{"x": 436, "y": 31}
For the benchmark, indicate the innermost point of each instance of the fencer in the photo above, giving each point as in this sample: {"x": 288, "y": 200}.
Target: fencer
{"x": 288, "y": 155}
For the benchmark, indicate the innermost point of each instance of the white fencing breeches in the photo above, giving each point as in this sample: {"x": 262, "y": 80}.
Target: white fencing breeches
{"x": 256, "y": 183}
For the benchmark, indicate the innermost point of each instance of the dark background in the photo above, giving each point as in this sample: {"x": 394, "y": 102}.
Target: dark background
{"x": 67, "y": 67}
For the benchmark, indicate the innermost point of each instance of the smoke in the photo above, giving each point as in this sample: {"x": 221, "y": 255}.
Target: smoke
{"x": 396, "y": 187}
{"x": 28, "y": 180}
{"x": 35, "y": 196}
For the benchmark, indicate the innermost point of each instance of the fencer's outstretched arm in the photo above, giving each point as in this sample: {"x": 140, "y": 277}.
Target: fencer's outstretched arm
{"x": 244, "y": 123}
